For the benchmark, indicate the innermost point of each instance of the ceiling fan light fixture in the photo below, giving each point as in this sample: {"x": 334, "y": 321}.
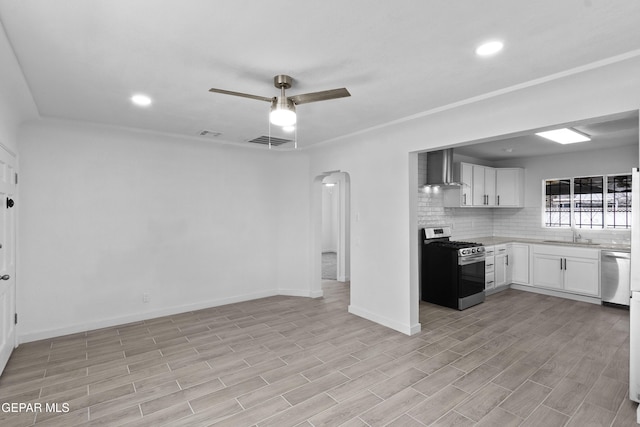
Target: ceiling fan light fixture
{"x": 283, "y": 112}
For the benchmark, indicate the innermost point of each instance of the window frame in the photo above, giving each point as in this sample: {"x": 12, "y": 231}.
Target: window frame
{"x": 605, "y": 187}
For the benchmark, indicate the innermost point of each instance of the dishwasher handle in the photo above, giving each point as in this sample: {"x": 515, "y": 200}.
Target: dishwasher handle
{"x": 616, "y": 255}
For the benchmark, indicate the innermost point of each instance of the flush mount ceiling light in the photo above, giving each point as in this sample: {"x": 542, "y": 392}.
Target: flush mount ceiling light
{"x": 564, "y": 136}
{"x": 141, "y": 100}
{"x": 489, "y": 48}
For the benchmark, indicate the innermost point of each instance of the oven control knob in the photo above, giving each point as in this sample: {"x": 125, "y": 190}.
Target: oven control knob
{"x": 463, "y": 251}
{"x": 473, "y": 250}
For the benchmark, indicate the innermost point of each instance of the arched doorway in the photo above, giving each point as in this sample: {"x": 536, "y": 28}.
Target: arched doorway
{"x": 332, "y": 229}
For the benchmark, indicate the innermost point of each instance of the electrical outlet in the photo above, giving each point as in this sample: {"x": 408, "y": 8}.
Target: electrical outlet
{"x": 146, "y": 297}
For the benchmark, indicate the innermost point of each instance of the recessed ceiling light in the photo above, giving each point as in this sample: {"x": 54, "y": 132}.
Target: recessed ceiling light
{"x": 564, "y": 136}
{"x": 141, "y": 100}
{"x": 489, "y": 48}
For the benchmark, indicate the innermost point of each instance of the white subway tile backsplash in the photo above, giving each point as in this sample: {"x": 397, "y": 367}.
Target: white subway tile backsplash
{"x": 469, "y": 223}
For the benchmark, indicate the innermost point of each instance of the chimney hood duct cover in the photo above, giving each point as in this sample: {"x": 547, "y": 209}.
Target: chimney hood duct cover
{"x": 440, "y": 169}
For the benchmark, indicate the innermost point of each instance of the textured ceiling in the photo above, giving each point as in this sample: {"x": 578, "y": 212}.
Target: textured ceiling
{"x": 83, "y": 59}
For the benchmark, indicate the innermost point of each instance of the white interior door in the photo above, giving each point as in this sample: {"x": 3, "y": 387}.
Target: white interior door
{"x": 7, "y": 257}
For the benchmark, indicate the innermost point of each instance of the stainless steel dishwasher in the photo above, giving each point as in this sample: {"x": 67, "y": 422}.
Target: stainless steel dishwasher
{"x": 615, "y": 270}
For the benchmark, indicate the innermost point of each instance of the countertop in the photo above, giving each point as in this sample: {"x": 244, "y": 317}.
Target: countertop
{"x": 497, "y": 240}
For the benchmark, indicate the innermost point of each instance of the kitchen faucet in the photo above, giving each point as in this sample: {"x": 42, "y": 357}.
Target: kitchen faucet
{"x": 576, "y": 235}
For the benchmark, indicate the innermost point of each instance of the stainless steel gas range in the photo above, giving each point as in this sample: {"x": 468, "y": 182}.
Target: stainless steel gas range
{"x": 452, "y": 273}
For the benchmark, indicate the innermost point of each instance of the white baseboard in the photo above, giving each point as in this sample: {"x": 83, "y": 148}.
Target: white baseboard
{"x": 575, "y": 297}
{"x": 300, "y": 293}
{"x": 316, "y": 294}
{"x": 121, "y": 320}
{"x": 400, "y": 327}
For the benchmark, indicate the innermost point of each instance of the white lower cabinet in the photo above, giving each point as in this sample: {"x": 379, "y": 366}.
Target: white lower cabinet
{"x": 501, "y": 265}
{"x": 489, "y": 268}
{"x": 582, "y": 276}
{"x": 548, "y": 271}
{"x": 519, "y": 263}
{"x": 567, "y": 269}
{"x": 496, "y": 267}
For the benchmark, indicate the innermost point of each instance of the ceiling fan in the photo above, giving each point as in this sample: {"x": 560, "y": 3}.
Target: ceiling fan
{"x": 283, "y": 108}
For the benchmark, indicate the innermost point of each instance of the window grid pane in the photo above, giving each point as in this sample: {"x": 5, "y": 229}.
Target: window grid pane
{"x": 619, "y": 201}
{"x": 588, "y": 202}
{"x": 558, "y": 203}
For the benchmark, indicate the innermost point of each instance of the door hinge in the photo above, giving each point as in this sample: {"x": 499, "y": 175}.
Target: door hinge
{"x": 15, "y": 319}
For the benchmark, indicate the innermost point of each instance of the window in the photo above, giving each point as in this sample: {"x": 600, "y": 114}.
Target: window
{"x": 580, "y": 202}
{"x": 558, "y": 203}
{"x": 588, "y": 195}
{"x": 619, "y": 201}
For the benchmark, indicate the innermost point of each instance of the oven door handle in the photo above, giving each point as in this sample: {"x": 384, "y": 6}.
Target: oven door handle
{"x": 471, "y": 259}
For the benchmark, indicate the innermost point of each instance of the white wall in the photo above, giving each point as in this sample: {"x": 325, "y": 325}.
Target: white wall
{"x": 110, "y": 214}
{"x": 384, "y": 262}
{"x": 293, "y": 208}
{"x": 583, "y": 163}
{"x": 527, "y": 222}
{"x": 330, "y": 206}
{"x": 16, "y": 103}
{"x": 336, "y": 227}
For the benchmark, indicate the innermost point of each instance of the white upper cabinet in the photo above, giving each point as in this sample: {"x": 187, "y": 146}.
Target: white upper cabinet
{"x": 466, "y": 178}
{"x": 484, "y": 186}
{"x": 509, "y": 185}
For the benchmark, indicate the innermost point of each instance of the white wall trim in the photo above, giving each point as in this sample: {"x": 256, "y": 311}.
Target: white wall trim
{"x": 389, "y": 323}
{"x": 566, "y": 295}
{"x": 316, "y": 294}
{"x": 122, "y": 320}
{"x": 300, "y": 293}
{"x": 488, "y": 95}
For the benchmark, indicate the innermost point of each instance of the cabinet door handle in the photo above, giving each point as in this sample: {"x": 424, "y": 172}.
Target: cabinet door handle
{"x": 498, "y": 200}
{"x": 507, "y": 259}
{"x": 560, "y": 263}
{"x": 464, "y": 199}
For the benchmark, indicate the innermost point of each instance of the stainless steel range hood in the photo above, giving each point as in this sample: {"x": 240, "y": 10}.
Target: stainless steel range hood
{"x": 440, "y": 170}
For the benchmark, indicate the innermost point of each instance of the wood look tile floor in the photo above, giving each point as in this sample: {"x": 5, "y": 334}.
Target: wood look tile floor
{"x": 517, "y": 359}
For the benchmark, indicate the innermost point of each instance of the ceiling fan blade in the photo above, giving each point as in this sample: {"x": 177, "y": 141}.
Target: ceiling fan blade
{"x": 244, "y": 95}
{"x": 319, "y": 96}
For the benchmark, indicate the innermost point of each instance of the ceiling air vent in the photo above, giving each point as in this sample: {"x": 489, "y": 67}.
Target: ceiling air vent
{"x": 264, "y": 140}
{"x": 209, "y": 133}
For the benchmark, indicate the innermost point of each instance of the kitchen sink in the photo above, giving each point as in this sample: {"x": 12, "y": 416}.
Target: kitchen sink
{"x": 565, "y": 242}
